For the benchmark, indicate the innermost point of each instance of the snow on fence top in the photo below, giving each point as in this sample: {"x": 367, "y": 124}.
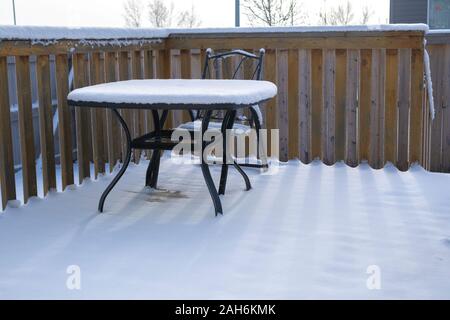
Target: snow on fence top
{"x": 305, "y": 29}
{"x": 439, "y": 31}
{"x": 65, "y": 33}
{"x": 37, "y": 33}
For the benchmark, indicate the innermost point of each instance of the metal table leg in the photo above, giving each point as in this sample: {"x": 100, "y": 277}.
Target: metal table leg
{"x": 125, "y": 164}
{"x": 151, "y": 178}
{"x": 205, "y": 168}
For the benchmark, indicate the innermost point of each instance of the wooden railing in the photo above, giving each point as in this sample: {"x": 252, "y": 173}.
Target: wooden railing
{"x": 343, "y": 95}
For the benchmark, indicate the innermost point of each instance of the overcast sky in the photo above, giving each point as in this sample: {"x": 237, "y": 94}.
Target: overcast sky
{"x": 108, "y": 13}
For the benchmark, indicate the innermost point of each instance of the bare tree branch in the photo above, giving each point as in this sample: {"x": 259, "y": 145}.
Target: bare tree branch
{"x": 366, "y": 15}
{"x": 160, "y": 14}
{"x": 343, "y": 14}
{"x": 189, "y": 19}
{"x": 340, "y": 15}
{"x": 271, "y": 12}
{"x": 133, "y": 13}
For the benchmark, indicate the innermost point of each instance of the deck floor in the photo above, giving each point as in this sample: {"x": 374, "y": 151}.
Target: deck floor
{"x": 305, "y": 231}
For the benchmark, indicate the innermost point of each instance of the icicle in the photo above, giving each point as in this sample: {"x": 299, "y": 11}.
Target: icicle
{"x": 429, "y": 82}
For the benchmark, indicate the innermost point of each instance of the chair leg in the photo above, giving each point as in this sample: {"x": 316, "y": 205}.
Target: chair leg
{"x": 211, "y": 188}
{"x": 125, "y": 163}
{"x": 260, "y": 151}
{"x": 248, "y": 185}
{"x": 228, "y": 124}
{"x": 205, "y": 169}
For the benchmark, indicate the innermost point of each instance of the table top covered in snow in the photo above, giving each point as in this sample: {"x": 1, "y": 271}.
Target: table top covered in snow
{"x": 174, "y": 94}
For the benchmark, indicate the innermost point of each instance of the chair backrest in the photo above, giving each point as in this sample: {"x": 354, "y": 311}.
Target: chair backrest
{"x": 235, "y": 64}
{"x": 223, "y": 66}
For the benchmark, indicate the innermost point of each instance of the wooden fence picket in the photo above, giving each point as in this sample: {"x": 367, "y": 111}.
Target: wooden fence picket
{"x": 282, "y": 101}
{"x": 271, "y": 109}
{"x": 304, "y": 114}
{"x": 46, "y": 123}
{"x": 26, "y": 132}
{"x": 404, "y": 102}
{"x": 97, "y": 115}
{"x": 364, "y": 103}
{"x": 138, "y": 116}
{"x": 377, "y": 106}
{"x": 352, "y": 107}
{"x": 340, "y": 103}
{"x": 64, "y": 120}
{"x": 112, "y": 124}
{"x": 82, "y": 119}
{"x": 7, "y": 176}
{"x": 317, "y": 102}
{"x": 329, "y": 107}
{"x": 293, "y": 104}
{"x": 391, "y": 107}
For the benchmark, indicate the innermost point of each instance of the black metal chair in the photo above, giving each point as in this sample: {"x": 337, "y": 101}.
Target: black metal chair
{"x": 246, "y": 66}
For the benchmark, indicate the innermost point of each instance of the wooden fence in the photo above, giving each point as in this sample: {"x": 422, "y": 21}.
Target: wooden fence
{"x": 439, "y": 50}
{"x": 350, "y": 96}
{"x": 342, "y": 96}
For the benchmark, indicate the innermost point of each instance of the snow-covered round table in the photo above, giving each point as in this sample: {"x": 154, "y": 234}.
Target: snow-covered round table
{"x": 164, "y": 95}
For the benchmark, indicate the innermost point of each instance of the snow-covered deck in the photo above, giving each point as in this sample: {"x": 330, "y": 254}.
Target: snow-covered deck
{"x": 308, "y": 231}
